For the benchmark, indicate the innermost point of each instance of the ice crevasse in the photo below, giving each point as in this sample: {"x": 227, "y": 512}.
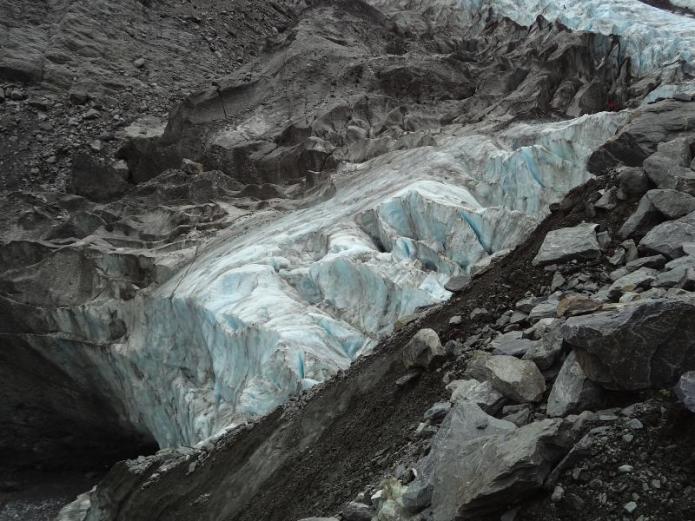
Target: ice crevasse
{"x": 259, "y": 316}
{"x": 650, "y": 36}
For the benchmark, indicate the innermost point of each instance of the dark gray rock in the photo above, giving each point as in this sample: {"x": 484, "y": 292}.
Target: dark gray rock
{"x": 417, "y": 496}
{"x": 633, "y": 182}
{"x": 422, "y": 349}
{"x": 354, "y": 511}
{"x": 672, "y": 204}
{"x": 437, "y": 412}
{"x": 572, "y": 391}
{"x": 645, "y": 217}
{"x": 578, "y": 242}
{"x": 96, "y": 181}
{"x": 685, "y": 390}
{"x": 669, "y": 167}
{"x": 668, "y": 238}
{"x": 647, "y": 345}
{"x": 548, "y": 350}
{"x": 511, "y": 344}
{"x": 475, "y": 473}
{"x": 518, "y": 380}
{"x": 483, "y": 394}
{"x": 654, "y": 261}
{"x": 639, "y": 279}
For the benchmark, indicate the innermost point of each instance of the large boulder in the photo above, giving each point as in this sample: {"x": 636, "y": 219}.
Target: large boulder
{"x": 669, "y": 167}
{"x": 648, "y": 345}
{"x": 668, "y": 238}
{"x": 655, "y": 207}
{"x": 518, "y": 380}
{"x": 422, "y": 349}
{"x": 481, "y": 464}
{"x": 564, "y": 244}
{"x": 572, "y": 391}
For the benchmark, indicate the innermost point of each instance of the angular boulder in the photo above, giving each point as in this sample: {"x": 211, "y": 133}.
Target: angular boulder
{"x": 422, "y": 349}
{"x": 572, "y": 391}
{"x": 642, "y": 346}
{"x": 483, "y": 394}
{"x": 488, "y": 463}
{"x": 518, "y": 380}
{"x": 565, "y": 244}
{"x": 668, "y": 238}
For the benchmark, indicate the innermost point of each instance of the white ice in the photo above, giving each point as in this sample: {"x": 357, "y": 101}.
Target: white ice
{"x": 296, "y": 297}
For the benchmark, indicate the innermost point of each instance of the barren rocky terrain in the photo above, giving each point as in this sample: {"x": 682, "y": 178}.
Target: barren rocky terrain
{"x": 362, "y": 260}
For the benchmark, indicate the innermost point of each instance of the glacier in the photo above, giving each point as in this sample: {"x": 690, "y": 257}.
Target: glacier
{"x": 259, "y": 316}
{"x": 650, "y": 36}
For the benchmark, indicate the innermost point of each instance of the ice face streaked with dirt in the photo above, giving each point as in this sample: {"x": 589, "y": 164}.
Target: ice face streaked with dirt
{"x": 651, "y": 37}
{"x": 259, "y": 315}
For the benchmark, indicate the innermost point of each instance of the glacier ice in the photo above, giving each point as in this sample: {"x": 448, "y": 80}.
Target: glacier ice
{"x": 651, "y": 37}
{"x": 288, "y": 299}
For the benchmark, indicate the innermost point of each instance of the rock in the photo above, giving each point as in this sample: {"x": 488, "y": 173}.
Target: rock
{"x": 191, "y": 167}
{"x": 572, "y": 391}
{"x": 633, "y": 182}
{"x": 558, "y": 494}
{"x": 483, "y": 394}
{"x": 630, "y": 507}
{"x": 685, "y": 390}
{"x": 354, "y": 511}
{"x": 437, "y": 412}
{"x": 475, "y": 473}
{"x": 96, "y": 181}
{"x": 571, "y": 305}
{"x": 645, "y": 217}
{"x": 455, "y": 320}
{"x": 139, "y": 63}
{"x": 639, "y": 279}
{"x": 557, "y": 282}
{"x": 511, "y": 344}
{"x": 547, "y": 309}
{"x": 655, "y": 261}
{"x": 422, "y": 349}
{"x": 672, "y": 204}
{"x": 519, "y": 417}
{"x": 609, "y": 200}
{"x": 525, "y": 305}
{"x": 457, "y": 283}
{"x": 417, "y": 497}
{"x": 518, "y": 380}
{"x": 631, "y": 252}
{"x": 546, "y": 352}
{"x": 479, "y": 314}
{"x": 669, "y": 167}
{"x": 17, "y": 95}
{"x": 318, "y": 519}
{"x": 92, "y": 114}
{"x": 668, "y": 238}
{"x": 578, "y": 242}
{"x": 670, "y": 278}
{"x": 647, "y": 345}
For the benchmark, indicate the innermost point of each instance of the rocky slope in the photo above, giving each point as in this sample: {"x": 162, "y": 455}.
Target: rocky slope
{"x": 289, "y": 217}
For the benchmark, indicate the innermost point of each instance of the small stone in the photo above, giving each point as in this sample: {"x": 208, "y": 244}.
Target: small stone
{"x": 625, "y": 469}
{"x": 479, "y": 314}
{"x": 437, "y": 412}
{"x": 635, "y": 424}
{"x": 558, "y": 494}
{"x": 557, "y": 282}
{"x": 627, "y": 438}
{"x": 139, "y": 63}
{"x": 95, "y": 145}
{"x": 191, "y": 167}
{"x": 630, "y": 507}
{"x": 422, "y": 349}
{"x": 455, "y": 320}
{"x": 92, "y": 114}
{"x": 354, "y": 511}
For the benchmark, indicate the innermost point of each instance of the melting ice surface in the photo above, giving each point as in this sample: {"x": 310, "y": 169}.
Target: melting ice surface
{"x": 262, "y": 314}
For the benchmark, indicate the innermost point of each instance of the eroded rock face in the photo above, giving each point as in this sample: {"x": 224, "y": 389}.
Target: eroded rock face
{"x": 643, "y": 346}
